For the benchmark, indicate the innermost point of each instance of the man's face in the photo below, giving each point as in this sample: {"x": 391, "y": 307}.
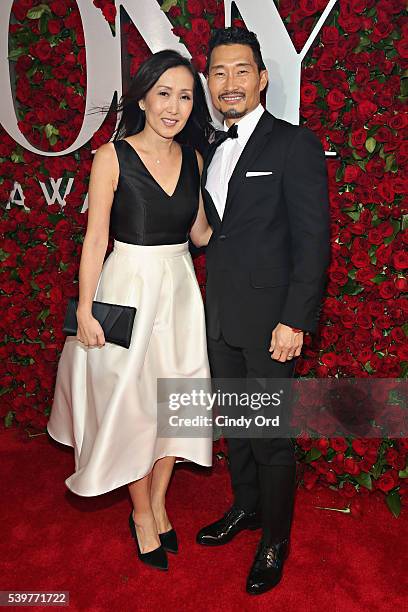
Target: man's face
{"x": 234, "y": 81}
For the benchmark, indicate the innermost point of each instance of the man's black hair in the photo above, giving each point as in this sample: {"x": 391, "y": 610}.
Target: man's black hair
{"x": 236, "y": 36}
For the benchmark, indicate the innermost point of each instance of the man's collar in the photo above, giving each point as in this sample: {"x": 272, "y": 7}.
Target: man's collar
{"x": 247, "y": 124}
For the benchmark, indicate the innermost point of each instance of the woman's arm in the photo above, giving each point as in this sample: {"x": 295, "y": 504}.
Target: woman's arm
{"x": 103, "y": 178}
{"x": 201, "y": 231}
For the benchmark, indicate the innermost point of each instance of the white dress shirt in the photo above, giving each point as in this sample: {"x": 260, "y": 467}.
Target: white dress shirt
{"x": 226, "y": 156}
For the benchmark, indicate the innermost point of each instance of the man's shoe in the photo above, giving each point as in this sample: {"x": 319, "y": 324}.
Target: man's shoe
{"x": 223, "y": 530}
{"x": 266, "y": 570}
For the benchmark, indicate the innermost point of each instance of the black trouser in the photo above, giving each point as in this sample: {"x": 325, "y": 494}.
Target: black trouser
{"x": 263, "y": 470}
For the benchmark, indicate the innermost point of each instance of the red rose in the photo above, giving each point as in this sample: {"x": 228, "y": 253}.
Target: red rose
{"x": 310, "y": 479}
{"x": 174, "y": 12}
{"x": 360, "y": 259}
{"x": 201, "y": 27}
{"x": 200, "y": 62}
{"x": 59, "y": 7}
{"x": 41, "y": 49}
{"x": 335, "y": 99}
{"x": 359, "y": 445}
{"x": 195, "y": 7}
{"x": 350, "y": 23}
{"x": 402, "y": 47}
{"x": 386, "y": 190}
{"x": 211, "y": 6}
{"x": 351, "y": 174}
{"x": 366, "y": 109}
{"x": 109, "y": 12}
{"x": 358, "y": 6}
{"x": 351, "y": 466}
{"x": 330, "y": 35}
{"x": 358, "y": 137}
{"x": 308, "y": 93}
{"x": 387, "y": 290}
{"x": 398, "y": 121}
{"x": 309, "y": 7}
{"x": 54, "y": 26}
{"x": 327, "y": 60}
{"x": 386, "y": 482}
{"x": 323, "y": 445}
{"x": 400, "y": 260}
{"x": 329, "y": 359}
{"x": 381, "y": 30}
{"x": 401, "y": 284}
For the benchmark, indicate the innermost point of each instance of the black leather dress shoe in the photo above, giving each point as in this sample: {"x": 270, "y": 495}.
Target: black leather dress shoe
{"x": 266, "y": 570}
{"x": 223, "y": 530}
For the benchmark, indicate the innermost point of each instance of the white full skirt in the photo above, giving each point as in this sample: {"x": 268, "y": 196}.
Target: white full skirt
{"x": 105, "y": 399}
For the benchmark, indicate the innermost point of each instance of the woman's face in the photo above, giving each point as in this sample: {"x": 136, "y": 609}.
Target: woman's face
{"x": 168, "y": 104}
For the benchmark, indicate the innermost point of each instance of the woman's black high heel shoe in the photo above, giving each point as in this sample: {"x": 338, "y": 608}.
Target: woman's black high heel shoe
{"x": 156, "y": 558}
{"x": 169, "y": 541}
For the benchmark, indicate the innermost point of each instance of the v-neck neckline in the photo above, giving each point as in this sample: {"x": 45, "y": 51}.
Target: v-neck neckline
{"x": 151, "y": 175}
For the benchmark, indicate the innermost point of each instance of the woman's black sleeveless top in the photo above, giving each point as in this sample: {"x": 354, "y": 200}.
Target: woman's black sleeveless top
{"x": 142, "y": 212}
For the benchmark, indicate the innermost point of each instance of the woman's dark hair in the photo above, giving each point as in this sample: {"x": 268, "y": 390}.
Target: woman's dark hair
{"x": 236, "y": 36}
{"x": 198, "y": 127}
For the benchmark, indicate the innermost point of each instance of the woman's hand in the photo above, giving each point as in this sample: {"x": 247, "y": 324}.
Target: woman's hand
{"x": 201, "y": 231}
{"x": 90, "y": 332}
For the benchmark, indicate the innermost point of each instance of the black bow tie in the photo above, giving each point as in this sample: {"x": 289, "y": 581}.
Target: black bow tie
{"x": 221, "y": 135}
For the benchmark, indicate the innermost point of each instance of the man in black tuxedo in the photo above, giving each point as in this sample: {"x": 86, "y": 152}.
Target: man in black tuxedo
{"x": 265, "y": 191}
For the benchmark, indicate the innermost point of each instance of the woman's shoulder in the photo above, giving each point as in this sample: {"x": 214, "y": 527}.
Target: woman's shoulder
{"x": 106, "y": 150}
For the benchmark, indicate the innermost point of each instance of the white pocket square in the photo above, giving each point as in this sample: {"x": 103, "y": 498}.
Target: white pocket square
{"x": 258, "y": 173}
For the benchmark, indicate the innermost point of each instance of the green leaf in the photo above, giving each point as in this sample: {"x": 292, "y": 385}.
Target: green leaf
{"x": 368, "y": 368}
{"x": 403, "y": 473}
{"x": 364, "y": 479}
{"x": 17, "y": 157}
{"x": 312, "y": 455}
{"x": 370, "y": 144}
{"x": 167, "y": 4}
{"x": 36, "y": 11}
{"x": 378, "y": 279}
{"x": 8, "y": 419}
{"x": 16, "y": 53}
{"x": 4, "y": 255}
{"x": 352, "y": 288}
{"x": 339, "y": 174}
{"x": 50, "y": 130}
{"x": 394, "y": 502}
{"x": 389, "y": 162}
{"x": 354, "y": 215}
{"x": 43, "y": 314}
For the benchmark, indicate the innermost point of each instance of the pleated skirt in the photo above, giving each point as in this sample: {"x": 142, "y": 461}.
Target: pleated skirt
{"x": 105, "y": 399}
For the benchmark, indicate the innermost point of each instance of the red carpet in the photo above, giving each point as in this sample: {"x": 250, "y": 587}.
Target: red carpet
{"x": 53, "y": 539}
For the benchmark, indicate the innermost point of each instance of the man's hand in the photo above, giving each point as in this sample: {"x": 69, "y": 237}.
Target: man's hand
{"x": 285, "y": 343}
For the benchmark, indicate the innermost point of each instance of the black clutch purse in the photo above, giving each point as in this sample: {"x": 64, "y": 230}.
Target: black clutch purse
{"x": 116, "y": 321}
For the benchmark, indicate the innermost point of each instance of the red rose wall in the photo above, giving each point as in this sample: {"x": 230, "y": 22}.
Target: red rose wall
{"x": 353, "y": 95}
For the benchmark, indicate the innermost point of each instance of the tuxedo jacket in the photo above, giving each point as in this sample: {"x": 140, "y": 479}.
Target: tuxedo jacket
{"x": 267, "y": 258}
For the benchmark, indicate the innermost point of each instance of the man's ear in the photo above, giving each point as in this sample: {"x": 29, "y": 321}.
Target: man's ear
{"x": 263, "y": 79}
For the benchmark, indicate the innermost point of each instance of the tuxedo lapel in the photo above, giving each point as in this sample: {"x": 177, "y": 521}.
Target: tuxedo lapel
{"x": 252, "y": 150}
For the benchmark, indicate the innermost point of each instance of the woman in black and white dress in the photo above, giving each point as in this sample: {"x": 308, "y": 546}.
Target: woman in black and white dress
{"x": 145, "y": 190}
